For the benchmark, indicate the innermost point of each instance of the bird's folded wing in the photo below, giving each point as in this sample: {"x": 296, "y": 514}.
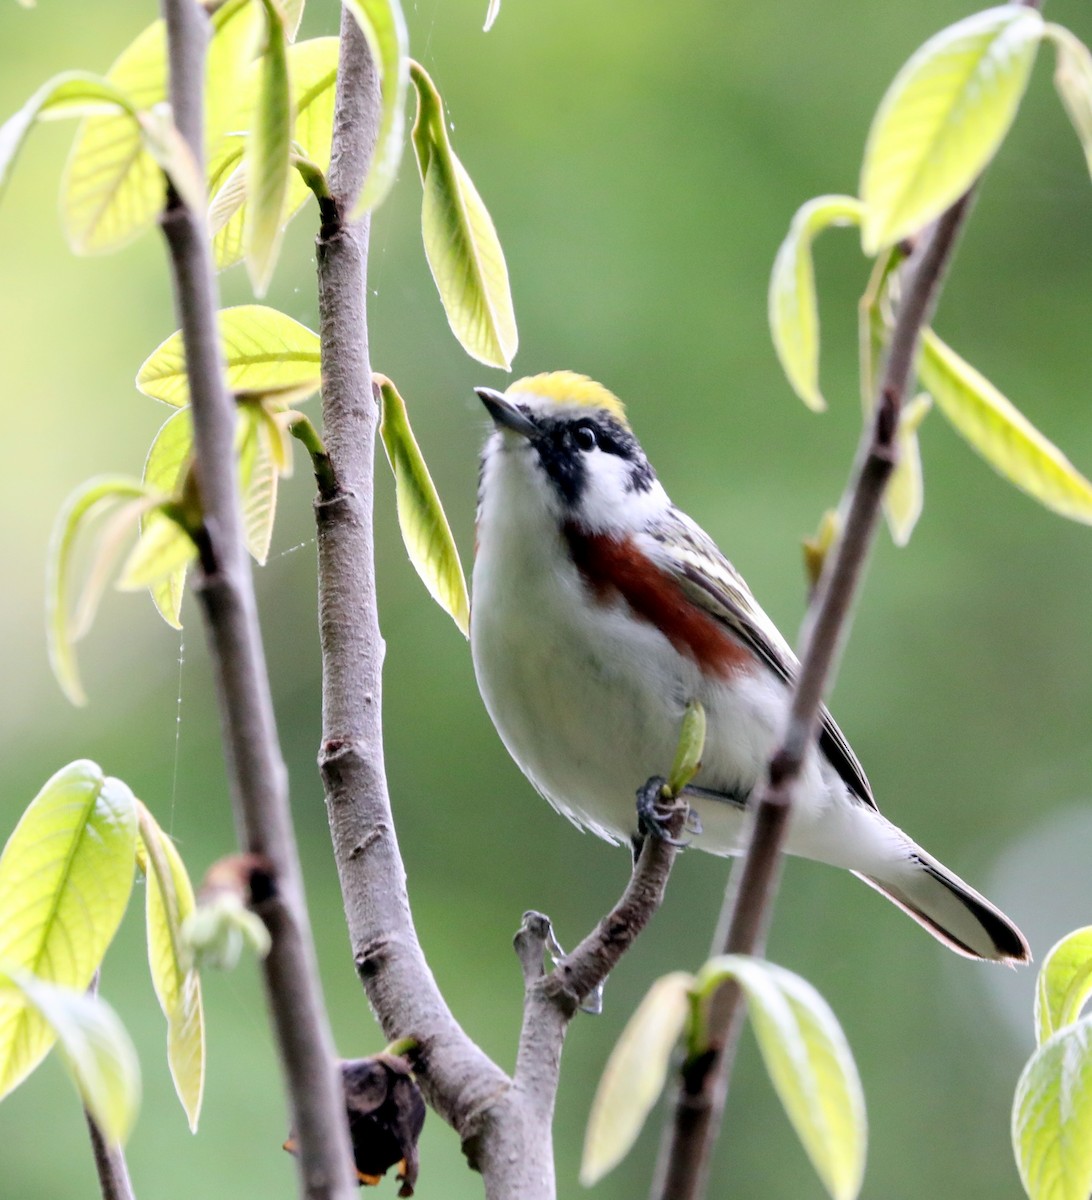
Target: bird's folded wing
{"x": 692, "y": 558}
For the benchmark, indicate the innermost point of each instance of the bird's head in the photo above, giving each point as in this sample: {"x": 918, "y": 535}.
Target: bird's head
{"x": 564, "y": 440}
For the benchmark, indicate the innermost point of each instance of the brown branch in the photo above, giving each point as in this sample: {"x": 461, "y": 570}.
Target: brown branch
{"x": 683, "y": 1169}
{"x": 225, "y": 590}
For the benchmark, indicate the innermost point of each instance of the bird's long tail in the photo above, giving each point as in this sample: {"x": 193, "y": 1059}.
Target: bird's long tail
{"x": 952, "y": 911}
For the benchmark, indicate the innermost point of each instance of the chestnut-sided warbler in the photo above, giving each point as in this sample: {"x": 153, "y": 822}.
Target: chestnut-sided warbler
{"x": 600, "y": 611}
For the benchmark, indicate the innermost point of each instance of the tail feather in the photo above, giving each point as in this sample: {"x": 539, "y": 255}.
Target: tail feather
{"x": 951, "y": 910}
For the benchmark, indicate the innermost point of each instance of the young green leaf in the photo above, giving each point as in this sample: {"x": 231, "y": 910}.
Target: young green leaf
{"x": 312, "y": 67}
{"x": 268, "y": 152}
{"x": 97, "y": 1051}
{"x": 793, "y": 308}
{"x": 170, "y": 901}
{"x": 425, "y": 530}
{"x": 165, "y": 470}
{"x": 905, "y": 493}
{"x": 809, "y": 1064}
{"x": 461, "y": 244}
{"x": 1065, "y": 983}
{"x": 65, "y": 878}
{"x": 79, "y": 510}
{"x": 819, "y": 545}
{"x": 384, "y": 28}
{"x": 1073, "y": 80}
{"x": 634, "y": 1076}
{"x": 265, "y": 353}
{"x": 1000, "y": 433}
{"x": 942, "y": 120}
{"x": 1052, "y": 1117}
{"x": 257, "y": 479}
{"x": 690, "y": 748}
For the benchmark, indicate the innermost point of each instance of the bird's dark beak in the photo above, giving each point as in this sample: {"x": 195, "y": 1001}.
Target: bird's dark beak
{"x": 505, "y": 414}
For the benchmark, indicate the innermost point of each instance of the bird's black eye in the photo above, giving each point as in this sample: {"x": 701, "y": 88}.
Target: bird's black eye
{"x": 585, "y": 436}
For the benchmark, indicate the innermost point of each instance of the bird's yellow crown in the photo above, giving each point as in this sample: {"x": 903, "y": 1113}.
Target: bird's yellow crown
{"x": 567, "y": 388}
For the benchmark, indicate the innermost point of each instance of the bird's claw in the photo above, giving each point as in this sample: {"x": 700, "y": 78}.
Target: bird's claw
{"x": 658, "y": 813}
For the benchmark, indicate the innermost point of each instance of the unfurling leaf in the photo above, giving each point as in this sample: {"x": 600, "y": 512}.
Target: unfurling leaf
{"x": 1065, "y": 983}
{"x": 1073, "y": 79}
{"x": 905, "y": 493}
{"x": 793, "y": 309}
{"x": 266, "y": 353}
{"x": 942, "y": 120}
{"x": 461, "y": 244}
{"x": 268, "y": 156}
{"x": 425, "y": 530}
{"x": 177, "y": 985}
{"x": 97, "y": 1051}
{"x": 79, "y": 510}
{"x": 1052, "y": 1117}
{"x": 690, "y": 748}
{"x": 165, "y": 470}
{"x": 384, "y": 28}
{"x": 808, "y": 1061}
{"x": 634, "y": 1076}
{"x": 1004, "y": 437}
{"x": 818, "y": 547}
{"x": 65, "y": 878}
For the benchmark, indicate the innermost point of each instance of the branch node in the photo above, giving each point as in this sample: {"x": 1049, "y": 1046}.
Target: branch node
{"x": 370, "y": 959}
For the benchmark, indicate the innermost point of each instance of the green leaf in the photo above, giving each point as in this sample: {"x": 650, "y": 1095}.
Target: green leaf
{"x": 425, "y": 530}
{"x": 384, "y": 28}
{"x": 170, "y": 902}
{"x": 793, "y": 308}
{"x": 293, "y": 15}
{"x": 461, "y": 244}
{"x": 257, "y": 479}
{"x": 266, "y": 353}
{"x": 79, "y": 510}
{"x": 1065, "y": 983}
{"x": 817, "y": 547}
{"x": 69, "y": 95}
{"x": 113, "y": 189}
{"x": 1052, "y": 1117}
{"x": 268, "y": 155}
{"x": 165, "y": 470}
{"x": 634, "y": 1076}
{"x": 1073, "y": 80}
{"x": 942, "y": 120}
{"x": 312, "y": 67}
{"x": 1000, "y": 433}
{"x": 97, "y": 1051}
{"x": 65, "y": 878}
{"x": 809, "y": 1064}
{"x": 690, "y": 748}
{"x": 905, "y": 492}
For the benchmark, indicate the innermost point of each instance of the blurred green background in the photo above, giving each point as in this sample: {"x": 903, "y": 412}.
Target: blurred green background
{"x": 641, "y": 162}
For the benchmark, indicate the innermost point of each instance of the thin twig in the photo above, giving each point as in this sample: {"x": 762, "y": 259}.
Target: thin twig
{"x": 225, "y": 590}
{"x": 110, "y": 1164}
{"x": 683, "y": 1169}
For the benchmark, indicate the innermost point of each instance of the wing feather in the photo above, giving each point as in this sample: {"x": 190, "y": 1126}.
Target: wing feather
{"x": 689, "y": 554}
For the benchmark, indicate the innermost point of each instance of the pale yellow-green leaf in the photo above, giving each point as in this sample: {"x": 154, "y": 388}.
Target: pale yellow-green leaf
{"x": 174, "y": 156}
{"x": 1000, "y": 433}
{"x": 1073, "y": 79}
{"x": 491, "y": 15}
{"x": 65, "y": 878}
{"x": 170, "y": 901}
{"x": 312, "y": 68}
{"x": 221, "y": 928}
{"x": 461, "y": 244}
{"x": 268, "y": 156}
{"x": 293, "y": 15}
{"x": 384, "y": 28}
{"x": 634, "y": 1076}
{"x": 1065, "y": 983}
{"x": 79, "y": 511}
{"x": 266, "y": 353}
{"x": 424, "y": 526}
{"x": 96, "y": 1049}
{"x": 257, "y": 481}
{"x": 1052, "y": 1117}
{"x": 113, "y": 189}
{"x": 809, "y": 1063}
{"x": 793, "y": 308}
{"x": 70, "y": 95}
{"x": 817, "y": 547}
{"x": 165, "y": 468}
{"x": 942, "y": 120}
{"x": 690, "y": 748}
{"x": 905, "y": 492}
{"x": 164, "y": 549}
{"x": 236, "y": 37}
